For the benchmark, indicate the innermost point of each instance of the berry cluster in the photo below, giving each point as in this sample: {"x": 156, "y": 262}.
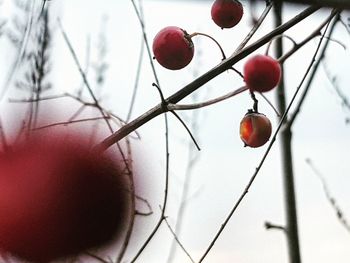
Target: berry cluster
{"x": 173, "y": 48}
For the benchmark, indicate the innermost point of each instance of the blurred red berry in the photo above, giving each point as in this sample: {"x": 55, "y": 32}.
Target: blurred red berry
{"x": 58, "y": 198}
{"x": 226, "y": 13}
{"x": 173, "y": 48}
{"x": 255, "y": 129}
{"x": 262, "y": 73}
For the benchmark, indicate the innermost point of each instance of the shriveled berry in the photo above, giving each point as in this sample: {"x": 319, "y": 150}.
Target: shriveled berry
{"x": 262, "y": 73}
{"x": 255, "y": 129}
{"x": 226, "y": 13}
{"x": 173, "y": 48}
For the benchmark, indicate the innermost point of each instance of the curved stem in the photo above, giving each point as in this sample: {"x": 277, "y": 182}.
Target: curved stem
{"x": 278, "y": 37}
{"x": 238, "y": 72}
{"x": 213, "y": 39}
{"x": 187, "y": 129}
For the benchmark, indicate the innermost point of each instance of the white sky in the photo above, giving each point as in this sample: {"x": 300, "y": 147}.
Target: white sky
{"x": 224, "y": 167}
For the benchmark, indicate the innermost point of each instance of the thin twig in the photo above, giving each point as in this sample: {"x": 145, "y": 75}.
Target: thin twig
{"x": 77, "y": 112}
{"x": 172, "y": 107}
{"x": 41, "y": 63}
{"x": 137, "y": 79}
{"x": 255, "y": 28}
{"x": 330, "y": 198}
{"x": 150, "y": 212}
{"x": 96, "y": 257}
{"x": 75, "y": 58}
{"x": 333, "y": 81}
{"x": 78, "y": 99}
{"x": 187, "y": 129}
{"x": 303, "y": 96}
{"x": 178, "y": 241}
{"x": 65, "y": 123}
{"x": 54, "y": 97}
{"x": 87, "y": 65}
{"x": 144, "y": 201}
{"x": 150, "y": 57}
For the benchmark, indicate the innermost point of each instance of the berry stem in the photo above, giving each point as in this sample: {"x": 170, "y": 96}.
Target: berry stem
{"x": 237, "y": 71}
{"x": 255, "y": 105}
{"x": 278, "y": 37}
{"x": 213, "y": 39}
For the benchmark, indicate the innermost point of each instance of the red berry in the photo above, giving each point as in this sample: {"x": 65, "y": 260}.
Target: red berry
{"x": 255, "y": 129}
{"x": 226, "y": 13}
{"x": 173, "y": 48}
{"x": 58, "y": 198}
{"x": 262, "y": 73}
